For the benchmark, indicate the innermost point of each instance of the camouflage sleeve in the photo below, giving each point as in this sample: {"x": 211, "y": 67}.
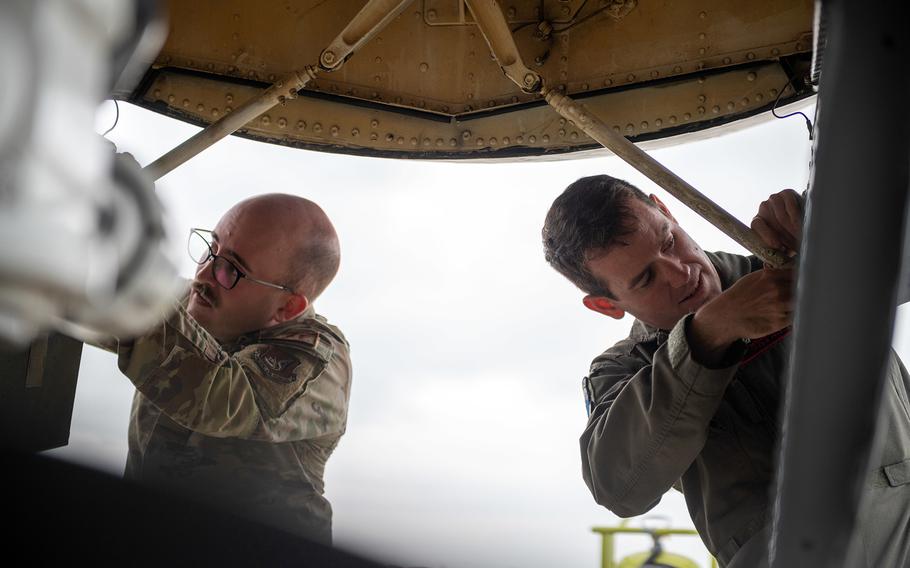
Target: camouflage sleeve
{"x": 276, "y": 389}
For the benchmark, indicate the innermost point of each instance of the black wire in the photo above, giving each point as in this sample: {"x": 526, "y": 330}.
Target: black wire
{"x": 777, "y": 100}
{"x": 116, "y": 119}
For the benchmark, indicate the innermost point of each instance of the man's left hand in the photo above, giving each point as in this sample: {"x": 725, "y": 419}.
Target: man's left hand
{"x": 779, "y": 222}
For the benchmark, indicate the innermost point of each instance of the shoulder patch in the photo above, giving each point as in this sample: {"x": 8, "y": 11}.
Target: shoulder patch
{"x": 277, "y": 364}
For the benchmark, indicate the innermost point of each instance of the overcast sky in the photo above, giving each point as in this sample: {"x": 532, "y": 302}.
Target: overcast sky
{"x": 468, "y": 350}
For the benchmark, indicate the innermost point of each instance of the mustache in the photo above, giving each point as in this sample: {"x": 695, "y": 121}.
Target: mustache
{"x": 205, "y": 291}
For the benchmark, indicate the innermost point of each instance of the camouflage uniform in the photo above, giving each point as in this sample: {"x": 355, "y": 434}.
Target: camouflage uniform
{"x": 246, "y": 426}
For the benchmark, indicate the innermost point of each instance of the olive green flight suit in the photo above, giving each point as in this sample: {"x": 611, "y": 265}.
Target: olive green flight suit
{"x": 659, "y": 419}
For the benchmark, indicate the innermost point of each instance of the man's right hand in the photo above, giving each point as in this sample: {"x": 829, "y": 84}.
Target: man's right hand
{"x": 756, "y": 305}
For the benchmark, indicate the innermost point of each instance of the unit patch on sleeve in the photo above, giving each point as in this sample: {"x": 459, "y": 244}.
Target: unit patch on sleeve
{"x": 276, "y": 364}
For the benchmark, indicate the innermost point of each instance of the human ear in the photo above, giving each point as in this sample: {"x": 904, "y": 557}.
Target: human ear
{"x": 663, "y": 208}
{"x": 293, "y": 307}
{"x": 603, "y": 305}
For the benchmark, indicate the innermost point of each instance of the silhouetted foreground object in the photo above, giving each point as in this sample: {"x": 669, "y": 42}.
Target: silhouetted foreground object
{"x": 62, "y": 513}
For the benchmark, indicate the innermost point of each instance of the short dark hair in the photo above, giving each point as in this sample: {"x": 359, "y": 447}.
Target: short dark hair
{"x": 590, "y": 215}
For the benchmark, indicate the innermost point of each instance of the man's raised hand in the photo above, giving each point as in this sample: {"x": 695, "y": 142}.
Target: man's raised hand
{"x": 779, "y": 221}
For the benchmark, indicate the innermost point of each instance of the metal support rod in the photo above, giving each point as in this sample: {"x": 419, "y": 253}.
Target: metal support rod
{"x": 283, "y": 89}
{"x": 495, "y": 29}
{"x": 849, "y": 268}
{"x": 374, "y": 16}
{"x": 659, "y": 174}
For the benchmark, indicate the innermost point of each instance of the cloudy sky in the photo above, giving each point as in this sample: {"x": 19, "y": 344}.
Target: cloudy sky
{"x": 468, "y": 350}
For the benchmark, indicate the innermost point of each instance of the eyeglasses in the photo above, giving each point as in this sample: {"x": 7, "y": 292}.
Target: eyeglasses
{"x": 225, "y": 272}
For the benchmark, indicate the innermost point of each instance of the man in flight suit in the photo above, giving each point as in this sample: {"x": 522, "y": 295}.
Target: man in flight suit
{"x": 690, "y": 399}
{"x": 242, "y": 393}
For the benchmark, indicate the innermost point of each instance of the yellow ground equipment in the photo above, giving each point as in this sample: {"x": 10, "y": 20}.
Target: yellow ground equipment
{"x": 653, "y": 558}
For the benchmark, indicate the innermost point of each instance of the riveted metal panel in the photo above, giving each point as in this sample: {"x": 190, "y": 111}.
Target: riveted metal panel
{"x": 429, "y": 80}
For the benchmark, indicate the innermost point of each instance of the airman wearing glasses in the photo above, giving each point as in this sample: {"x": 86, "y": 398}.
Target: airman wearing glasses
{"x": 241, "y": 395}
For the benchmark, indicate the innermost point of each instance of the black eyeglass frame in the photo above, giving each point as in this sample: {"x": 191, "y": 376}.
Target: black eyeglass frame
{"x": 213, "y": 257}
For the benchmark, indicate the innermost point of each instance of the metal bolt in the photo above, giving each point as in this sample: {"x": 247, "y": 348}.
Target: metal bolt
{"x": 378, "y": 60}
{"x": 186, "y": 103}
{"x": 374, "y": 123}
{"x": 505, "y": 140}
{"x": 399, "y": 140}
{"x": 715, "y": 109}
{"x": 644, "y": 125}
{"x": 701, "y": 51}
{"x": 431, "y": 15}
{"x": 751, "y": 76}
{"x": 466, "y": 134}
{"x": 562, "y": 122}
{"x": 282, "y": 122}
{"x": 265, "y": 119}
{"x": 439, "y": 142}
{"x": 328, "y": 57}
{"x": 744, "y": 101}
{"x": 424, "y": 67}
{"x": 228, "y": 109}
{"x": 702, "y": 98}
{"x": 565, "y": 10}
{"x": 453, "y": 142}
{"x": 584, "y": 86}
{"x": 530, "y": 79}
{"x": 215, "y": 112}
{"x": 374, "y": 136}
{"x": 687, "y": 116}
{"x": 492, "y": 141}
{"x": 672, "y": 119}
{"x": 701, "y": 80}
{"x": 703, "y": 15}
{"x": 677, "y": 69}
{"x": 726, "y": 60}
{"x": 562, "y": 132}
{"x": 574, "y": 136}
{"x": 759, "y": 97}
{"x": 200, "y": 107}
{"x": 630, "y": 77}
{"x": 701, "y": 110}
{"x": 301, "y": 125}
{"x": 334, "y": 130}
{"x": 630, "y": 127}
{"x": 511, "y": 12}
{"x": 317, "y": 127}
{"x": 426, "y": 141}
{"x": 171, "y": 98}
{"x": 658, "y": 123}
{"x": 615, "y": 128}
{"x": 229, "y": 98}
{"x": 731, "y": 105}
{"x": 157, "y": 93}
{"x": 546, "y": 138}
{"x": 389, "y": 137}
{"x": 355, "y": 132}
{"x": 519, "y": 139}
{"x": 608, "y": 82}
{"x": 773, "y": 92}
{"x": 701, "y": 35}
{"x": 775, "y": 51}
{"x": 377, "y": 78}
{"x": 491, "y": 104}
{"x": 479, "y": 142}
{"x": 532, "y": 139}
{"x": 750, "y": 56}
{"x": 654, "y": 74}
{"x": 414, "y": 141}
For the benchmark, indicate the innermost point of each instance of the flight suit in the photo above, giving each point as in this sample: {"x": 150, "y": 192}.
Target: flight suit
{"x": 247, "y": 426}
{"x": 659, "y": 419}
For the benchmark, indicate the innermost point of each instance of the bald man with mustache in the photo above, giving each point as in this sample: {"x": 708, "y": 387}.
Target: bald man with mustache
{"x": 242, "y": 393}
